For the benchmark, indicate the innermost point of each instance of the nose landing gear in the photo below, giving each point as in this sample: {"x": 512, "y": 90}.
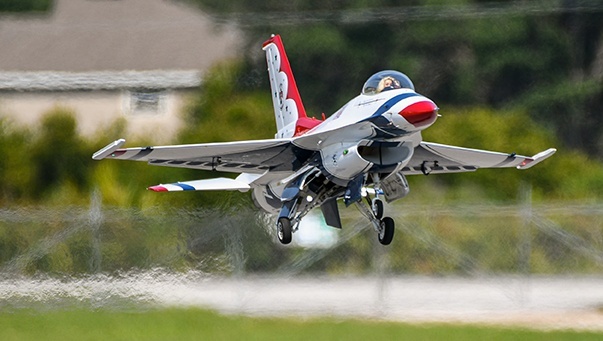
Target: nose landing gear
{"x": 377, "y": 207}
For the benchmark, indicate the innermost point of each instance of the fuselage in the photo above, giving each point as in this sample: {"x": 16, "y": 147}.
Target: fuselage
{"x": 388, "y": 115}
{"x": 370, "y": 133}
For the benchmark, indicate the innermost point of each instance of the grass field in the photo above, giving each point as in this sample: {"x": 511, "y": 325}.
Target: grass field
{"x": 196, "y": 324}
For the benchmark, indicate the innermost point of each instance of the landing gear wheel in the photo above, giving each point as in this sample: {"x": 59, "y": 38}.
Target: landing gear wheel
{"x": 283, "y": 230}
{"x": 386, "y": 230}
{"x": 377, "y": 207}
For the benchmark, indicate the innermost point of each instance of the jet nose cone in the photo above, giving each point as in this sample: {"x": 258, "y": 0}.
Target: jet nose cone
{"x": 420, "y": 114}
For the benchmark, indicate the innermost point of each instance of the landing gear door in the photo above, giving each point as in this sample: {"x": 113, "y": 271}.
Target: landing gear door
{"x": 331, "y": 213}
{"x": 394, "y": 187}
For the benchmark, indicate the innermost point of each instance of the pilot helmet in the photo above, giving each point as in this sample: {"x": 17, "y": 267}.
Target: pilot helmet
{"x": 386, "y": 80}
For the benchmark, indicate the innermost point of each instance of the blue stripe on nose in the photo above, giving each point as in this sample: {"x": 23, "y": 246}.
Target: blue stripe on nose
{"x": 390, "y": 103}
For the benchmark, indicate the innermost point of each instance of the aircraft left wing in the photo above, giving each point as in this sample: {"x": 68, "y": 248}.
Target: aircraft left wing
{"x": 255, "y": 156}
{"x": 440, "y": 158}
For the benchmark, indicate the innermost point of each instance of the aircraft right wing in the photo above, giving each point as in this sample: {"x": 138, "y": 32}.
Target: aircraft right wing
{"x": 255, "y": 156}
{"x": 436, "y": 158}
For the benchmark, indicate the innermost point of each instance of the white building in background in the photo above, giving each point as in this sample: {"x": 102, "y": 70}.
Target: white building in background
{"x": 109, "y": 59}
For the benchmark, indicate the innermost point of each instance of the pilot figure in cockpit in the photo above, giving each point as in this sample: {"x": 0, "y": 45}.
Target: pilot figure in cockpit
{"x": 388, "y": 83}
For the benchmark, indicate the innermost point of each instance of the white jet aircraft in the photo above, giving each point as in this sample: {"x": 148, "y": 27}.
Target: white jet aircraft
{"x": 365, "y": 149}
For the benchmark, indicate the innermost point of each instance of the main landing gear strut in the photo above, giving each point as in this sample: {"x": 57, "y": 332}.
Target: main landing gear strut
{"x": 384, "y": 226}
{"x": 300, "y": 197}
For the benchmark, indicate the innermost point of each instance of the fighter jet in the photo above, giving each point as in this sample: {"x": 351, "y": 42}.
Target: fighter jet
{"x": 361, "y": 154}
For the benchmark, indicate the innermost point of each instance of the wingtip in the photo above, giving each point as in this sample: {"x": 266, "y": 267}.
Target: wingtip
{"x": 530, "y": 162}
{"x": 108, "y": 149}
{"x": 158, "y": 188}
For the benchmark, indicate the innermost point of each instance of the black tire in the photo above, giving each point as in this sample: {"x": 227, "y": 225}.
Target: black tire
{"x": 377, "y": 207}
{"x": 386, "y": 232}
{"x": 283, "y": 230}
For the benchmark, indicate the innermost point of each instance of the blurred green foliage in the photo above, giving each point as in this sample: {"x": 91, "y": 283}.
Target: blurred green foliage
{"x": 547, "y": 64}
{"x": 59, "y": 155}
{"x": 25, "y": 5}
{"x": 51, "y": 163}
{"x": 226, "y": 109}
{"x": 50, "y": 166}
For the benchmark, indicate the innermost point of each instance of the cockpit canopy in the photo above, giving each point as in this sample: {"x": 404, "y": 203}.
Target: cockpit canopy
{"x": 386, "y": 80}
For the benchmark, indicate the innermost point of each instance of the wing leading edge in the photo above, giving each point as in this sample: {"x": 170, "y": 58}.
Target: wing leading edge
{"x": 255, "y": 156}
{"x": 440, "y": 158}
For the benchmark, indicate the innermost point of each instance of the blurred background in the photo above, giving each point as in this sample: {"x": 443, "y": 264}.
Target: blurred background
{"x": 513, "y": 76}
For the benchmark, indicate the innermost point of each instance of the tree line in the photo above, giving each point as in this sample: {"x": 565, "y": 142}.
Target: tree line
{"x": 51, "y": 163}
{"x": 545, "y": 59}
{"x": 25, "y": 6}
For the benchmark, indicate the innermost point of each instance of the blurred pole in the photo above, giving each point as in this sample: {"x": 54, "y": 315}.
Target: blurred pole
{"x": 525, "y": 243}
{"x": 95, "y": 220}
{"x": 234, "y": 242}
{"x": 380, "y": 265}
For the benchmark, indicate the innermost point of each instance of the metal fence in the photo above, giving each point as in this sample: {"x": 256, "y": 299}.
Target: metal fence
{"x": 483, "y": 239}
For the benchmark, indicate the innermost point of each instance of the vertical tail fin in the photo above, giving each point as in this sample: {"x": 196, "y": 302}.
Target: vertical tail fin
{"x": 288, "y": 106}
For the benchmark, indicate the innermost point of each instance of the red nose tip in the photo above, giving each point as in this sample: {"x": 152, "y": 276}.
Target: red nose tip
{"x": 421, "y": 113}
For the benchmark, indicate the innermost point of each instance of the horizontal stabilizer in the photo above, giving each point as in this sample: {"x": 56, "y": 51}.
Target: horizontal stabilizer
{"x": 530, "y": 162}
{"x": 241, "y": 183}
